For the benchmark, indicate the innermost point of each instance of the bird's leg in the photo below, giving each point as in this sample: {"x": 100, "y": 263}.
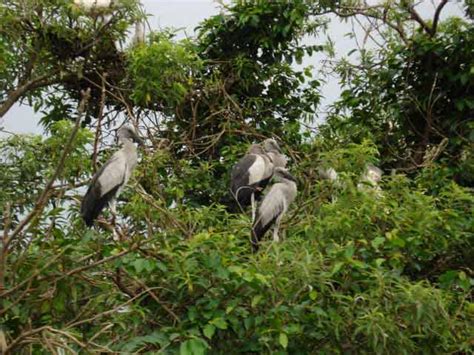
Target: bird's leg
{"x": 276, "y": 238}
{"x": 276, "y": 228}
{"x": 113, "y": 210}
{"x": 252, "y": 201}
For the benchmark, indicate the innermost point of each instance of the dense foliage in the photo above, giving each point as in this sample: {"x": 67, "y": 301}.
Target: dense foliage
{"x": 359, "y": 270}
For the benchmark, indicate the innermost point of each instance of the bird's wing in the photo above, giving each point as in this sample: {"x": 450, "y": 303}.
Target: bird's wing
{"x": 273, "y": 205}
{"x": 258, "y": 171}
{"x": 240, "y": 171}
{"x": 103, "y": 187}
{"x": 111, "y": 174}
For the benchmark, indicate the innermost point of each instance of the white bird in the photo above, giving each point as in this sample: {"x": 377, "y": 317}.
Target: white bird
{"x": 139, "y": 35}
{"x": 89, "y": 5}
{"x": 273, "y": 151}
{"x": 274, "y": 206}
{"x": 250, "y": 176}
{"x": 328, "y": 174}
{"x": 107, "y": 184}
{"x": 370, "y": 179}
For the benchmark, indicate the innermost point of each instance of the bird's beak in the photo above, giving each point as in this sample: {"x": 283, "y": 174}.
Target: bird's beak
{"x": 139, "y": 140}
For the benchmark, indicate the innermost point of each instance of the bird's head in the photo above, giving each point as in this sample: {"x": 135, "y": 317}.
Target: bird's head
{"x": 128, "y": 132}
{"x": 255, "y": 149}
{"x": 271, "y": 145}
{"x": 283, "y": 174}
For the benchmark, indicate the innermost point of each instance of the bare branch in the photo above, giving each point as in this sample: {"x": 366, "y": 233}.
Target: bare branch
{"x": 436, "y": 16}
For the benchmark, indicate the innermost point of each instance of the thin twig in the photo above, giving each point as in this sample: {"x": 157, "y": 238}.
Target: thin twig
{"x": 155, "y": 297}
{"x": 3, "y": 250}
{"x": 113, "y": 310}
{"x": 99, "y": 123}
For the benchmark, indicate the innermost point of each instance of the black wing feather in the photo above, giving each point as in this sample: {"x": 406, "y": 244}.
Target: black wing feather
{"x": 93, "y": 203}
{"x": 241, "y": 189}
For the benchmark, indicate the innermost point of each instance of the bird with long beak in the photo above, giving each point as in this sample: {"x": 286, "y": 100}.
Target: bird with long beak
{"x": 109, "y": 181}
{"x": 273, "y": 150}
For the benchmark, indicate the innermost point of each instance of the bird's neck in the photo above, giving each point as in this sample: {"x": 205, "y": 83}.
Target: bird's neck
{"x": 127, "y": 144}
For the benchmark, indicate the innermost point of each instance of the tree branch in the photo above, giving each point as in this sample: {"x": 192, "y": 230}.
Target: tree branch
{"x": 415, "y": 16}
{"x": 14, "y": 95}
{"x": 44, "y": 195}
{"x": 436, "y": 16}
{"x": 356, "y": 11}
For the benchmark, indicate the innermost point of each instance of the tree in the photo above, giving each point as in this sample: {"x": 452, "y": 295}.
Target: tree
{"x": 378, "y": 273}
{"x": 414, "y": 97}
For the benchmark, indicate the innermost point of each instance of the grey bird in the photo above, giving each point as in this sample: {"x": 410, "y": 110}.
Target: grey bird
{"x": 250, "y": 176}
{"x": 109, "y": 181}
{"x": 274, "y": 206}
{"x": 273, "y": 151}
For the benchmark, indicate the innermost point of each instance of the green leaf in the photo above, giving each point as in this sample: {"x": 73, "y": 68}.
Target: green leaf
{"x": 256, "y": 300}
{"x": 209, "y": 331}
{"x": 377, "y": 242}
{"x": 283, "y": 338}
{"x": 398, "y": 242}
{"x": 313, "y": 295}
{"x": 349, "y": 252}
{"x": 379, "y": 261}
{"x": 337, "y": 267}
{"x": 193, "y": 347}
{"x": 139, "y": 265}
{"x": 219, "y": 323}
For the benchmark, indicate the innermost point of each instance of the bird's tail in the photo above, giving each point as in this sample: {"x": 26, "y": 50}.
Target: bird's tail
{"x": 93, "y": 203}
{"x": 89, "y": 210}
{"x": 258, "y": 231}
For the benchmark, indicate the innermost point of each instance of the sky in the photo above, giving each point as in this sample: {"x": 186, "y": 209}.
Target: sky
{"x": 187, "y": 14}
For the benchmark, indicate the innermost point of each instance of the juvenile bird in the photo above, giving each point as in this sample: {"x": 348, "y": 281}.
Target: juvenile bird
{"x": 274, "y": 206}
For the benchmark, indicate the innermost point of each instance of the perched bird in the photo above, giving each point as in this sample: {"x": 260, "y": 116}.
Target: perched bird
{"x": 112, "y": 177}
{"x": 328, "y": 174}
{"x": 96, "y": 9}
{"x": 139, "y": 35}
{"x": 370, "y": 178}
{"x": 273, "y": 151}
{"x": 332, "y": 185}
{"x": 274, "y": 206}
{"x": 93, "y": 5}
{"x": 250, "y": 176}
